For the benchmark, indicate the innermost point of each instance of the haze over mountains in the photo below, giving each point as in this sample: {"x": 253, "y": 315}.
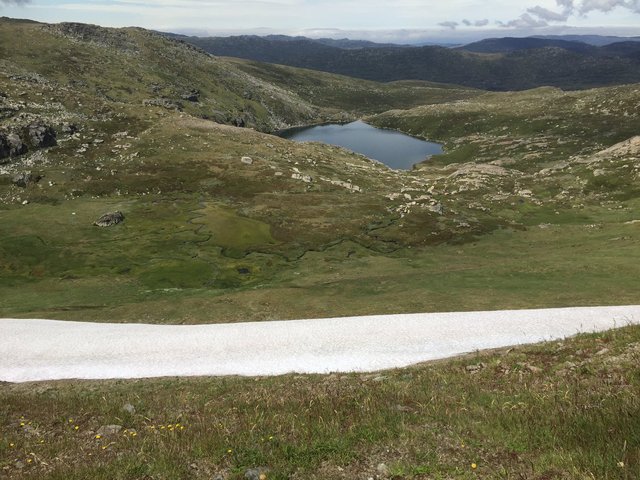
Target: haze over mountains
{"x": 493, "y": 64}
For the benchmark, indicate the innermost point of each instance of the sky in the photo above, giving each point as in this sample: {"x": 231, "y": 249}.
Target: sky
{"x": 402, "y": 21}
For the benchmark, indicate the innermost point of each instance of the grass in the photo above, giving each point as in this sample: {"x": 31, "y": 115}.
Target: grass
{"x": 528, "y": 412}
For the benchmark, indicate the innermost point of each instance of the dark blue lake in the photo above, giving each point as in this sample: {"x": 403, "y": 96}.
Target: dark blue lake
{"x": 394, "y": 149}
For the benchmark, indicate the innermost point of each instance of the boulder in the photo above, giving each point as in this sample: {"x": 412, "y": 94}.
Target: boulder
{"x": 11, "y": 145}
{"x": 23, "y": 179}
{"x": 109, "y": 219}
{"x": 192, "y": 96}
{"x": 259, "y": 473}
{"x": 41, "y": 136}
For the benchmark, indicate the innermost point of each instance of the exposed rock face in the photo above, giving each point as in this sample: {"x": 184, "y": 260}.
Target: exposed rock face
{"x": 628, "y": 147}
{"x": 41, "y": 136}
{"x": 23, "y": 179}
{"x": 11, "y": 146}
{"x": 109, "y": 219}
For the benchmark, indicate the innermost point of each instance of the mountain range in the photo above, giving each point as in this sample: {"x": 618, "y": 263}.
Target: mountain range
{"x": 492, "y": 64}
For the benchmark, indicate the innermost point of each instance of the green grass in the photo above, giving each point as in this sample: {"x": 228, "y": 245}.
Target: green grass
{"x": 529, "y": 412}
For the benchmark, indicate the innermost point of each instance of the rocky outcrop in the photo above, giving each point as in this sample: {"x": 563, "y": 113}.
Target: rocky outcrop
{"x": 11, "y": 145}
{"x": 40, "y": 135}
{"x": 109, "y": 219}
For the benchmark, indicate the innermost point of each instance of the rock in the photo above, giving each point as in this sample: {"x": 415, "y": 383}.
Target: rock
{"x": 437, "y": 208}
{"x": 69, "y": 128}
{"x": 382, "y": 470}
{"x": 533, "y": 369}
{"x": 192, "y": 96}
{"x": 127, "y": 407}
{"x": 23, "y": 179}
{"x": 604, "y": 351}
{"x": 474, "y": 368}
{"x": 259, "y": 473}
{"x": 41, "y": 136}
{"x": 109, "y": 430}
{"x": 109, "y": 219}
{"x": 11, "y": 145}
{"x": 246, "y": 160}
{"x": 219, "y": 476}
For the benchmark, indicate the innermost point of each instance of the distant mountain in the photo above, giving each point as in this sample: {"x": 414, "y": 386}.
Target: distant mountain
{"x": 516, "y": 64}
{"x": 509, "y": 44}
{"x": 595, "y": 40}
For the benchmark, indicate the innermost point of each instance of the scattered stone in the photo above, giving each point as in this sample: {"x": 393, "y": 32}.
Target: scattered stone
{"x": 69, "y": 128}
{"x": 23, "y": 179}
{"x": 300, "y": 176}
{"x": 109, "y": 430}
{"x": 604, "y": 351}
{"x": 127, "y": 407}
{"x": 247, "y": 160}
{"x": 25, "y": 202}
{"x": 259, "y": 473}
{"x": 109, "y": 219}
{"x": 162, "y": 102}
{"x": 533, "y": 369}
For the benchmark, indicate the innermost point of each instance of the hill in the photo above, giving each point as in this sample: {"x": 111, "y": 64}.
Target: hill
{"x": 509, "y": 44}
{"x": 515, "y": 64}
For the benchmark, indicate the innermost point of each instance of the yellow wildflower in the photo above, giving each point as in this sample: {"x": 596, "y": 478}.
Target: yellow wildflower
{"x": 98, "y": 437}
{"x": 474, "y": 466}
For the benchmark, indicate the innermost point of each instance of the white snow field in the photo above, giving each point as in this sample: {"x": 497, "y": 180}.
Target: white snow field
{"x": 32, "y": 350}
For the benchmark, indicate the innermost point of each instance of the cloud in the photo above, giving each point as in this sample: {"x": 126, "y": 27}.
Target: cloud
{"x": 549, "y": 15}
{"x": 524, "y": 21}
{"x": 607, "y": 5}
{"x": 14, "y": 2}
{"x": 540, "y": 17}
{"x": 451, "y": 25}
{"x": 477, "y": 23}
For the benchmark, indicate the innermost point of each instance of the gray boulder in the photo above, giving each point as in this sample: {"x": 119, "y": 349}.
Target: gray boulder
{"x": 259, "y": 473}
{"x": 109, "y": 219}
{"x": 11, "y": 146}
{"x": 23, "y": 179}
{"x": 41, "y": 136}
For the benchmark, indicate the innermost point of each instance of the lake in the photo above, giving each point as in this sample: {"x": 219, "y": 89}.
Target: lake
{"x": 394, "y": 149}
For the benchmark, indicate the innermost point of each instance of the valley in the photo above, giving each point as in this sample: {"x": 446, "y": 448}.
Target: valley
{"x": 213, "y": 218}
